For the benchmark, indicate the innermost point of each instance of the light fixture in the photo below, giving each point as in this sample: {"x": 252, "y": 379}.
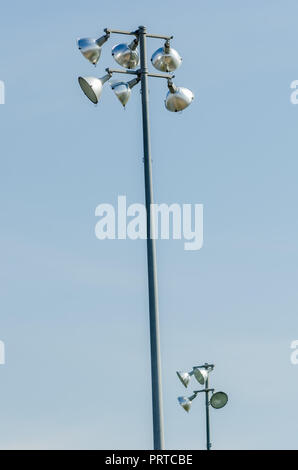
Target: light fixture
{"x": 123, "y": 90}
{"x": 186, "y": 402}
{"x": 184, "y": 377}
{"x": 200, "y": 374}
{"x": 166, "y": 59}
{"x": 91, "y": 48}
{"x": 219, "y": 400}
{"x": 92, "y": 87}
{"x": 126, "y": 55}
{"x": 178, "y": 98}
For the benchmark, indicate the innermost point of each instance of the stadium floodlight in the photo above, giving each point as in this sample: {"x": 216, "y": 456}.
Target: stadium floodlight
{"x": 92, "y": 87}
{"x": 126, "y": 55}
{"x": 186, "y": 402}
{"x": 123, "y": 90}
{"x": 218, "y": 400}
{"x": 91, "y": 48}
{"x": 178, "y": 98}
{"x": 166, "y": 59}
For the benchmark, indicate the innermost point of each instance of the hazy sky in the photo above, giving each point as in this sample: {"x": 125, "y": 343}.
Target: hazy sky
{"x": 74, "y": 310}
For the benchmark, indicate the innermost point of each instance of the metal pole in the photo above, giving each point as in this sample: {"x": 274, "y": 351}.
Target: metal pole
{"x": 207, "y": 414}
{"x": 158, "y": 435}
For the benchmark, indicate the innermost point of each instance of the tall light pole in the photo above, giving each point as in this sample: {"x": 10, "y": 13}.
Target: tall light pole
{"x": 218, "y": 400}
{"x": 164, "y": 59}
{"x": 158, "y": 432}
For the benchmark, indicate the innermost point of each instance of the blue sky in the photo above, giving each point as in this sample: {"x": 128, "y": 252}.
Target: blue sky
{"x": 74, "y": 313}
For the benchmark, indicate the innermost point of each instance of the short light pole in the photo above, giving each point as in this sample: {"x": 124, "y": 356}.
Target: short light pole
{"x": 218, "y": 399}
{"x": 165, "y": 59}
{"x": 208, "y": 444}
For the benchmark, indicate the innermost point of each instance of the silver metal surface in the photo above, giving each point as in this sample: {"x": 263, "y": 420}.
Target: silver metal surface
{"x": 92, "y": 87}
{"x": 219, "y": 400}
{"x": 185, "y": 403}
{"x": 90, "y": 49}
{"x": 179, "y": 100}
{"x": 184, "y": 378}
{"x": 126, "y": 56}
{"x": 200, "y": 374}
{"x": 122, "y": 91}
{"x": 166, "y": 59}
{"x": 129, "y": 72}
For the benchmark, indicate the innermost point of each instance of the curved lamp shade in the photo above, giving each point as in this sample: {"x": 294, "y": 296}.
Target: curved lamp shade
{"x": 92, "y": 87}
{"x": 219, "y": 400}
{"x": 200, "y": 374}
{"x": 184, "y": 378}
{"x": 123, "y": 90}
{"x": 166, "y": 59}
{"x": 179, "y": 99}
{"x": 126, "y": 55}
{"x": 91, "y": 48}
{"x": 185, "y": 403}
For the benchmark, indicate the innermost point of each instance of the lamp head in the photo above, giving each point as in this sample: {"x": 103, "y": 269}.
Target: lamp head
{"x": 123, "y": 90}
{"x": 92, "y": 87}
{"x": 185, "y": 403}
{"x": 184, "y": 378}
{"x": 126, "y": 55}
{"x": 178, "y": 98}
{"x": 166, "y": 59}
{"x": 91, "y": 48}
{"x": 219, "y": 400}
{"x": 200, "y": 374}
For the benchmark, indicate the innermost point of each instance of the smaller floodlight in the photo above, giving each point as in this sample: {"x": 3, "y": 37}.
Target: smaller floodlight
{"x": 91, "y": 48}
{"x": 178, "y": 98}
{"x": 123, "y": 90}
{"x": 200, "y": 374}
{"x": 126, "y": 55}
{"x": 92, "y": 87}
{"x": 185, "y": 402}
{"x": 166, "y": 59}
{"x": 184, "y": 377}
{"x": 219, "y": 400}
